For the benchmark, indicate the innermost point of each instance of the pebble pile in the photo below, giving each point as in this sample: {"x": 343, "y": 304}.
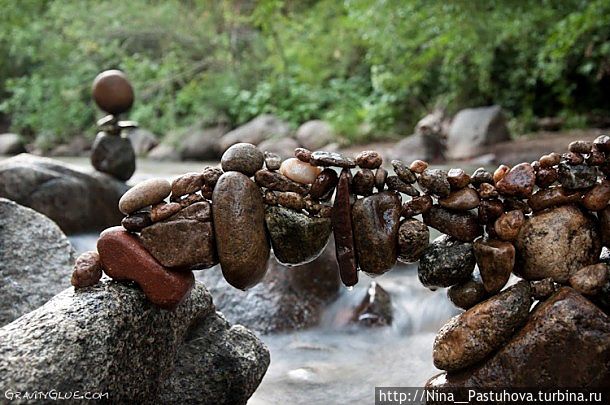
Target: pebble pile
{"x": 545, "y": 222}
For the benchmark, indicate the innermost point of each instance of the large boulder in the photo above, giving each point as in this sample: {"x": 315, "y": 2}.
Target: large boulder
{"x": 474, "y": 128}
{"x": 109, "y": 338}
{"x": 565, "y": 343}
{"x": 142, "y": 140}
{"x": 77, "y": 201}
{"x": 284, "y": 147}
{"x": 315, "y": 134}
{"x": 427, "y": 147}
{"x": 11, "y": 144}
{"x": 260, "y": 128}
{"x": 202, "y": 144}
{"x": 288, "y": 298}
{"x": 35, "y": 260}
{"x": 164, "y": 153}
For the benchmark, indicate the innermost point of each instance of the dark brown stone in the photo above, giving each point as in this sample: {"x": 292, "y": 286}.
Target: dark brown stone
{"x": 464, "y": 199}
{"x": 489, "y": 210}
{"x": 333, "y": 159}
{"x": 343, "y": 231}
{"x": 572, "y": 159}
{"x": 418, "y": 166}
{"x": 580, "y": 147}
{"x": 413, "y": 238}
{"x": 190, "y": 200}
{"x": 304, "y": 155}
{"x": 375, "y": 309}
{"x": 463, "y": 226}
{"x": 458, "y": 178}
{"x": 162, "y": 211}
{"x": 604, "y": 225}
{"x": 496, "y": 260}
{"x": 324, "y": 185}
{"x": 239, "y": 224}
{"x": 137, "y": 221}
{"x": 148, "y": 192}
{"x": 515, "y": 204}
{"x": 363, "y": 182}
{"x": 546, "y": 177}
{"x": 87, "y": 270}
{"x": 602, "y": 143}
{"x": 112, "y": 92}
{"x": 552, "y": 197}
{"x": 507, "y": 226}
{"x": 595, "y": 158}
{"x": 590, "y": 279}
{"x": 543, "y": 289}
{"x": 434, "y": 181}
{"x": 487, "y": 191}
{"x": 124, "y": 259}
{"x": 481, "y": 176}
{"x": 278, "y": 182}
{"x": 188, "y": 183}
{"x": 468, "y": 293}
{"x": 417, "y": 205}
{"x": 381, "y": 175}
{"x": 577, "y": 177}
{"x": 396, "y": 184}
{"x": 518, "y": 182}
{"x": 550, "y": 160}
{"x": 403, "y": 172}
{"x": 211, "y": 175}
{"x": 270, "y": 197}
{"x": 369, "y": 159}
{"x": 290, "y": 200}
{"x": 597, "y": 198}
{"x": 445, "y": 262}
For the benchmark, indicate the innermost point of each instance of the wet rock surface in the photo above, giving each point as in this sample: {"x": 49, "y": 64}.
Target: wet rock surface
{"x": 496, "y": 260}
{"x": 242, "y": 157}
{"x": 148, "y": 192}
{"x": 461, "y": 200}
{"x": 445, "y": 262}
{"x": 375, "y": 309}
{"x": 278, "y": 182}
{"x": 518, "y": 182}
{"x": 324, "y": 185}
{"x": 299, "y": 171}
{"x": 435, "y": 181}
{"x": 507, "y": 226}
{"x": 369, "y": 159}
{"x": 461, "y": 225}
{"x": 597, "y": 198}
{"x": 320, "y": 158}
{"x": 553, "y": 197}
{"x": 413, "y": 238}
{"x": 468, "y": 293}
{"x": 577, "y": 177}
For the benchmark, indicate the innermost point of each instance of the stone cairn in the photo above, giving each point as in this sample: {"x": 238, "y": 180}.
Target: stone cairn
{"x": 545, "y": 221}
{"x": 112, "y": 152}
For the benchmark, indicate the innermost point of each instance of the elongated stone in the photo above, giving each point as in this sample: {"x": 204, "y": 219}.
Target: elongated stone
{"x": 239, "y": 224}
{"x": 461, "y": 200}
{"x": 321, "y": 158}
{"x": 376, "y": 220}
{"x": 552, "y": 197}
{"x": 396, "y": 184}
{"x": 496, "y": 260}
{"x": 343, "y": 231}
{"x": 323, "y": 186}
{"x": 278, "y": 182}
{"x": 125, "y": 259}
{"x": 296, "y": 238}
{"x": 143, "y": 194}
{"x": 463, "y": 226}
{"x": 188, "y": 183}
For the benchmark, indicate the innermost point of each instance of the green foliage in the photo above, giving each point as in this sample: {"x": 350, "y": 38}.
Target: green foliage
{"x": 372, "y": 68}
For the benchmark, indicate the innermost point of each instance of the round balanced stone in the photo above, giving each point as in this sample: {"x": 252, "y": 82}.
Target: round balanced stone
{"x": 299, "y": 171}
{"x": 239, "y": 224}
{"x": 446, "y": 262}
{"x": 148, "y": 192}
{"x": 413, "y": 238}
{"x": 296, "y": 238}
{"x": 87, "y": 270}
{"x": 113, "y": 155}
{"x": 556, "y": 243}
{"x": 496, "y": 260}
{"x": 112, "y": 92}
{"x": 369, "y": 159}
{"x": 471, "y": 336}
{"x": 376, "y": 220}
{"x": 244, "y": 158}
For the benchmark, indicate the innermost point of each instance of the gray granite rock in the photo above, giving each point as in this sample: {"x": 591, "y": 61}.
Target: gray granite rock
{"x": 445, "y": 262}
{"x": 36, "y": 260}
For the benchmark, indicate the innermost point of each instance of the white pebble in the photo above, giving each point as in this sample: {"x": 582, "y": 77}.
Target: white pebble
{"x": 299, "y": 171}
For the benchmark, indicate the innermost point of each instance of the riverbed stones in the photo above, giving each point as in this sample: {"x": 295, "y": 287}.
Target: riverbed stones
{"x": 299, "y": 171}
{"x": 112, "y": 92}
{"x": 125, "y": 259}
{"x": 434, "y": 181}
{"x": 184, "y": 241}
{"x": 148, "y": 192}
{"x": 463, "y": 226}
{"x": 239, "y": 224}
{"x": 369, "y": 159}
{"x": 590, "y": 279}
{"x": 418, "y": 166}
{"x": 296, "y": 237}
{"x": 331, "y": 159}
{"x": 543, "y": 289}
{"x": 87, "y": 270}
{"x": 324, "y": 185}
{"x": 550, "y": 160}
{"x": 468, "y": 293}
{"x": 273, "y": 161}
{"x": 457, "y": 179}
{"x": 473, "y": 335}
{"x": 518, "y": 182}
{"x": 597, "y": 198}
{"x": 445, "y": 262}
{"x": 188, "y": 183}
{"x": 394, "y": 183}
{"x": 500, "y": 172}
{"x": 137, "y": 221}
{"x": 496, "y": 260}
{"x": 113, "y": 155}
{"x": 375, "y": 225}
{"x": 413, "y": 238}
{"x": 304, "y": 155}
{"x": 507, "y": 226}
{"x": 363, "y": 182}
{"x": 403, "y": 172}
{"x": 278, "y": 182}
{"x": 211, "y": 175}
{"x": 244, "y": 158}
{"x": 556, "y": 243}
{"x": 343, "y": 231}
{"x": 580, "y": 147}
{"x": 461, "y": 200}
{"x": 577, "y": 177}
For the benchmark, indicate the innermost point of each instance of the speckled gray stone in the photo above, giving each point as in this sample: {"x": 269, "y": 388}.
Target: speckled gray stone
{"x": 36, "y": 260}
{"x": 446, "y": 262}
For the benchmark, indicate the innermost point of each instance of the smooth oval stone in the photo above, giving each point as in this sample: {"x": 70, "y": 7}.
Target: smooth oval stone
{"x": 403, "y": 172}
{"x": 396, "y": 184}
{"x": 468, "y": 293}
{"x": 381, "y": 175}
{"x": 507, "y": 226}
{"x": 550, "y": 160}
{"x": 343, "y": 231}
{"x": 291, "y": 200}
{"x": 137, "y": 221}
{"x": 112, "y": 92}
{"x": 463, "y": 226}
{"x": 125, "y": 259}
{"x": 580, "y": 146}
{"x": 496, "y": 260}
{"x": 273, "y": 161}
{"x": 546, "y": 177}
{"x": 239, "y": 224}
{"x": 590, "y": 279}
{"x": 148, "y": 192}
{"x": 418, "y": 166}
{"x": 188, "y": 183}
{"x": 363, "y": 182}
{"x": 417, "y": 205}
{"x": 577, "y": 177}
{"x": 552, "y": 197}
{"x": 556, "y": 243}
{"x": 434, "y": 181}
{"x": 296, "y": 238}
{"x": 369, "y": 159}
{"x": 113, "y": 155}
{"x": 162, "y": 211}
{"x": 461, "y": 200}
{"x": 480, "y": 176}
{"x": 457, "y": 179}
{"x": 518, "y": 182}
{"x": 489, "y": 210}
{"x": 597, "y": 198}
{"x": 500, "y": 172}
{"x": 413, "y": 238}
{"x": 473, "y": 335}
{"x": 445, "y": 262}
{"x": 323, "y": 186}
{"x": 87, "y": 270}
{"x": 299, "y": 171}
{"x": 321, "y": 158}
{"x": 278, "y": 182}
{"x": 376, "y": 220}
{"x": 242, "y": 157}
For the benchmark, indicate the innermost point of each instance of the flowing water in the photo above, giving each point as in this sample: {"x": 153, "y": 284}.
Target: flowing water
{"x": 335, "y": 363}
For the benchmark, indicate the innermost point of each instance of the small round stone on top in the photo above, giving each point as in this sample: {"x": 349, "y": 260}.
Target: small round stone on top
{"x": 369, "y": 159}
{"x": 244, "y": 158}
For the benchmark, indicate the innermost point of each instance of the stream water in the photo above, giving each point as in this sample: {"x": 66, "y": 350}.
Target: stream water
{"x": 334, "y": 363}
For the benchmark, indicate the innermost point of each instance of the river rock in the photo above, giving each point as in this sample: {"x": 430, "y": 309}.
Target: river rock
{"x": 185, "y": 240}
{"x": 110, "y": 338}
{"x": 553, "y": 197}
{"x": 148, "y": 192}
{"x": 463, "y": 226}
{"x": 113, "y": 155}
{"x": 188, "y": 183}
{"x": 381, "y": 175}
{"x": 273, "y": 161}
{"x": 434, "y": 181}
{"x": 199, "y": 144}
{"x": 87, "y": 270}
{"x": 417, "y": 205}
{"x": 458, "y": 179}
{"x": 464, "y": 199}
{"x": 577, "y": 177}
{"x": 375, "y": 309}
{"x": 290, "y": 200}
{"x": 590, "y": 279}
{"x": 468, "y": 293}
{"x": 403, "y": 172}
{"x": 565, "y": 343}
{"x": 375, "y": 221}
{"x": 496, "y": 260}
{"x": 363, "y": 182}
{"x": 543, "y": 289}
{"x": 333, "y": 159}
{"x": 507, "y": 226}
{"x": 445, "y": 262}
{"x": 518, "y": 182}
{"x": 11, "y": 144}
{"x": 164, "y": 153}
{"x": 50, "y": 187}
{"x": 413, "y": 238}
{"x": 546, "y": 177}
{"x": 394, "y": 183}
{"x": 324, "y": 185}
{"x": 162, "y": 211}
{"x": 369, "y": 159}
{"x": 343, "y": 231}
{"x": 597, "y": 198}
{"x": 473, "y": 335}
{"x": 255, "y": 131}
{"x": 112, "y": 92}
{"x": 278, "y": 182}
{"x": 480, "y": 176}
{"x": 142, "y": 140}
{"x": 244, "y": 158}
{"x": 490, "y": 210}
{"x": 556, "y": 243}
{"x": 239, "y": 224}
{"x": 296, "y": 238}
{"x": 35, "y": 260}
{"x": 315, "y": 134}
